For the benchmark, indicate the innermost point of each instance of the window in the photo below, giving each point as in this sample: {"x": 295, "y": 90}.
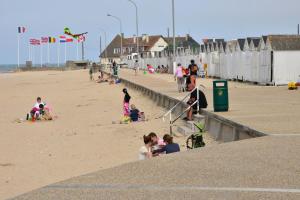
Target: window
{"x": 117, "y": 50}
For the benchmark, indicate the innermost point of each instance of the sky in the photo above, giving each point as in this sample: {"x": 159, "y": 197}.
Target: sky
{"x": 229, "y": 19}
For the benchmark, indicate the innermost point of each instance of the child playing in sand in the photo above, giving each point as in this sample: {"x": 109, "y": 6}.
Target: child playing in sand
{"x": 134, "y": 113}
{"x": 145, "y": 151}
{"x": 126, "y": 101}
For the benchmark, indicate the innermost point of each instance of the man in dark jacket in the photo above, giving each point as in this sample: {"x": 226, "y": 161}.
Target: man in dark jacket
{"x": 193, "y": 98}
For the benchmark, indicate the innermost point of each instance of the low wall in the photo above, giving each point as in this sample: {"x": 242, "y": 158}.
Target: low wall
{"x": 220, "y": 128}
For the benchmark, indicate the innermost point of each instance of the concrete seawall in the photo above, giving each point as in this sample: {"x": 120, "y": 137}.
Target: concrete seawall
{"x": 220, "y": 128}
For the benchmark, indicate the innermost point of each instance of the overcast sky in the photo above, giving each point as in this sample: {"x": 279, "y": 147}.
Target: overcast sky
{"x": 227, "y": 19}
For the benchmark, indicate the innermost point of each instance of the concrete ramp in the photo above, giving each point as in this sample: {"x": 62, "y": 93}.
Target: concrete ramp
{"x": 260, "y": 168}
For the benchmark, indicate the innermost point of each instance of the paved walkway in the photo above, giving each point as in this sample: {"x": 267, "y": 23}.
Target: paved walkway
{"x": 260, "y": 168}
{"x": 274, "y": 110}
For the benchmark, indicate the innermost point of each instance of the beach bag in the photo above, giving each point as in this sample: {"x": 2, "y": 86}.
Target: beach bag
{"x": 196, "y": 139}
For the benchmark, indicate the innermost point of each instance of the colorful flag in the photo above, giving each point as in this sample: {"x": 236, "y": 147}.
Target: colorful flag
{"x": 21, "y": 29}
{"x": 52, "y": 40}
{"x": 44, "y": 40}
{"x": 69, "y": 40}
{"x": 34, "y": 42}
{"x": 81, "y": 38}
{"x": 62, "y": 39}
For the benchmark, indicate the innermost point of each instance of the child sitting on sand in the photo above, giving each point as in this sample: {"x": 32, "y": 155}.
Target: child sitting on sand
{"x": 170, "y": 146}
{"x": 134, "y": 113}
{"x": 145, "y": 151}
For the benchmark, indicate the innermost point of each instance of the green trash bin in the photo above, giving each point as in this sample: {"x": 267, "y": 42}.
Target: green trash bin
{"x": 220, "y": 96}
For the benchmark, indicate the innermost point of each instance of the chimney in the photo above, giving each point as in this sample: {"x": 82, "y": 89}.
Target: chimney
{"x": 134, "y": 39}
{"x": 145, "y": 38}
{"x": 187, "y": 37}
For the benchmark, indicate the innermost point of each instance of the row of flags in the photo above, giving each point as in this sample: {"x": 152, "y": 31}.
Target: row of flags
{"x": 62, "y": 39}
{"x": 68, "y": 37}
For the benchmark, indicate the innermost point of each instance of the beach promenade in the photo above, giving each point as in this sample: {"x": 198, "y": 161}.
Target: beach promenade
{"x": 271, "y": 110}
{"x": 259, "y": 168}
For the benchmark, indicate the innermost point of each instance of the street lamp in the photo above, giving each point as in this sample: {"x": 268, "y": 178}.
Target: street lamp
{"x": 173, "y": 19}
{"x": 117, "y": 18}
{"x": 137, "y": 27}
{"x": 104, "y": 41}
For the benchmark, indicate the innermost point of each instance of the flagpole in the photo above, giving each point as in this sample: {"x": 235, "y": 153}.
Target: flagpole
{"x": 77, "y": 45}
{"x": 33, "y": 56}
{"x": 48, "y": 53}
{"x": 58, "y": 52}
{"x": 29, "y": 52}
{"x": 65, "y": 53}
{"x": 18, "y": 38}
{"x": 41, "y": 49}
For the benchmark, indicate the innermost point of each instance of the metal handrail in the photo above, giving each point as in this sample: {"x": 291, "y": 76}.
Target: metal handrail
{"x": 178, "y": 117}
{"x": 171, "y": 110}
{"x": 179, "y": 102}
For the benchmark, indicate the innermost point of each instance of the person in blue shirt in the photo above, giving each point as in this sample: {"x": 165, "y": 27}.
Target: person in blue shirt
{"x": 170, "y": 147}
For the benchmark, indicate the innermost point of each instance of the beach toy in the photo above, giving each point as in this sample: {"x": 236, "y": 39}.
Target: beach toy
{"x": 145, "y": 72}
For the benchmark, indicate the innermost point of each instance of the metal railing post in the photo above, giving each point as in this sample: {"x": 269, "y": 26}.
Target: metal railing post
{"x": 198, "y": 105}
{"x": 171, "y": 132}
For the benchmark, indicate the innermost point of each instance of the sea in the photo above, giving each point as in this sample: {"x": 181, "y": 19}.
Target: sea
{"x": 9, "y": 68}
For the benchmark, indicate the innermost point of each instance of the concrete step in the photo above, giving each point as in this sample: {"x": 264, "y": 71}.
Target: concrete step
{"x": 198, "y": 118}
{"x": 185, "y": 131}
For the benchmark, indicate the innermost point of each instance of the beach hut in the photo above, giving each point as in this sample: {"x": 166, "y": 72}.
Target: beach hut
{"x": 223, "y": 61}
{"x": 241, "y": 59}
{"x": 283, "y": 60}
{"x": 254, "y": 51}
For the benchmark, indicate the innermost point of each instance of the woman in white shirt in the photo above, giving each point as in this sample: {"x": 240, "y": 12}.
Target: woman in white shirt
{"x": 145, "y": 151}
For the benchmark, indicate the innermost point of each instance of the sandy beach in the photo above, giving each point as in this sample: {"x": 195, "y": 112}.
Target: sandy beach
{"x": 82, "y": 139}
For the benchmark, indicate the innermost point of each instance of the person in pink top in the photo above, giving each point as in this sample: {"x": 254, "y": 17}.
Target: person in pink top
{"x": 179, "y": 77}
{"x": 157, "y": 143}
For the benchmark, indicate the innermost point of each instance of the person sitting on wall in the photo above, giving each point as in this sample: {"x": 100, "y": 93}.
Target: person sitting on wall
{"x": 193, "y": 98}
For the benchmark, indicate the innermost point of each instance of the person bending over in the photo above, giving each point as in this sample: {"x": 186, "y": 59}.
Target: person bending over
{"x": 170, "y": 147}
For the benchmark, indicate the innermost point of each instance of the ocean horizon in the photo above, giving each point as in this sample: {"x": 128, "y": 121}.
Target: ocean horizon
{"x": 7, "y": 68}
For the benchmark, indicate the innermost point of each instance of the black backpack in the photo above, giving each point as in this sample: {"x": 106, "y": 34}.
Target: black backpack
{"x": 196, "y": 139}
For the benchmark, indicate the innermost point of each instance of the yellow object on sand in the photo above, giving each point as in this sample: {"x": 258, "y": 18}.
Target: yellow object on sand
{"x": 292, "y": 86}
{"x": 125, "y": 120}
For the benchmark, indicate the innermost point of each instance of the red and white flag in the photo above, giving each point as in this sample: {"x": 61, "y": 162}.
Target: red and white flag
{"x": 81, "y": 38}
{"x": 44, "y": 40}
{"x": 34, "y": 42}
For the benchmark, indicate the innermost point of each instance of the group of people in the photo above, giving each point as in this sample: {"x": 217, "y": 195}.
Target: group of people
{"x": 155, "y": 146}
{"x": 130, "y": 112}
{"x": 186, "y": 76}
{"x": 40, "y": 111}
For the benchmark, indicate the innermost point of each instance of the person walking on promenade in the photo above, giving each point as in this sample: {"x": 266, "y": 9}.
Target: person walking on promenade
{"x": 126, "y": 110}
{"x": 179, "y": 77}
{"x": 193, "y": 72}
{"x": 136, "y": 67}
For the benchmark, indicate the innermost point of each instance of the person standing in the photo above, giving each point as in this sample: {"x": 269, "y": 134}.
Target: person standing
{"x": 115, "y": 68}
{"x": 126, "y": 110}
{"x": 91, "y": 73}
{"x": 193, "y": 72}
{"x": 179, "y": 77}
{"x": 136, "y": 67}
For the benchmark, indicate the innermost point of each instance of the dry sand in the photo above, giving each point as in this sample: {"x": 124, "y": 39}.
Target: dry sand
{"x": 81, "y": 140}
